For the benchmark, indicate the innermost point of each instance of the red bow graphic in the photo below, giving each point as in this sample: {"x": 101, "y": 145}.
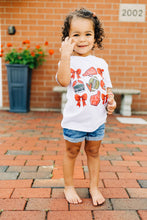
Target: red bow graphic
{"x": 73, "y": 72}
{"x": 104, "y": 98}
{"x": 100, "y": 71}
{"x": 78, "y": 99}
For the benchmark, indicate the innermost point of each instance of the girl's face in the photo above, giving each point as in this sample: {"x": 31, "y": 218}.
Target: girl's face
{"x": 82, "y": 34}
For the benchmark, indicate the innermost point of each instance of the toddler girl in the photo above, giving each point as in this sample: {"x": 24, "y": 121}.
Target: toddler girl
{"x": 89, "y": 97}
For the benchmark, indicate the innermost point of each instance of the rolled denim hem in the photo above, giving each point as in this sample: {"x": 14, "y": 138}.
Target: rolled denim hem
{"x": 73, "y": 140}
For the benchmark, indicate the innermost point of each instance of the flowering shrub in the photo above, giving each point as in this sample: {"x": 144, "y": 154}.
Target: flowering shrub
{"x": 25, "y": 55}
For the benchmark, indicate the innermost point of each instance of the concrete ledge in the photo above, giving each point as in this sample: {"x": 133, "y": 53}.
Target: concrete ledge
{"x": 63, "y": 91}
{"x": 60, "y": 89}
{"x": 126, "y": 98}
{"x": 126, "y": 91}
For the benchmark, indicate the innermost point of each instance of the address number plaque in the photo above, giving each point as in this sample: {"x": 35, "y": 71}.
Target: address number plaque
{"x": 132, "y": 12}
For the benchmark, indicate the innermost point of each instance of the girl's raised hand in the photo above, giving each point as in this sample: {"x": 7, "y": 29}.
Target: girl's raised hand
{"x": 67, "y": 47}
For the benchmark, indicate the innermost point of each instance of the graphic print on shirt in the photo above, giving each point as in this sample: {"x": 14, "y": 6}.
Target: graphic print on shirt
{"x": 93, "y": 81}
{"x": 75, "y": 73}
{"x": 102, "y": 84}
{"x": 95, "y": 99}
{"x": 100, "y": 71}
{"x": 93, "y": 84}
{"x": 96, "y": 80}
{"x": 81, "y": 99}
{"x": 78, "y": 86}
{"x": 104, "y": 98}
{"x": 90, "y": 72}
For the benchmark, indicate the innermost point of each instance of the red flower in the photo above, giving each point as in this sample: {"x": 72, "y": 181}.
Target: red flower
{"x": 40, "y": 52}
{"x": 32, "y": 54}
{"x": 2, "y": 50}
{"x": 46, "y": 43}
{"x": 1, "y": 55}
{"x": 1, "y": 45}
{"x": 38, "y": 46}
{"x": 26, "y": 42}
{"x": 9, "y": 45}
{"x": 51, "y": 52}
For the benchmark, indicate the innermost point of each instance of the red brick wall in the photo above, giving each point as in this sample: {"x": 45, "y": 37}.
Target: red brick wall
{"x": 125, "y": 45}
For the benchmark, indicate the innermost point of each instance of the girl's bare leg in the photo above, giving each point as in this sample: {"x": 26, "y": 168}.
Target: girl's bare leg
{"x": 72, "y": 150}
{"x": 93, "y": 161}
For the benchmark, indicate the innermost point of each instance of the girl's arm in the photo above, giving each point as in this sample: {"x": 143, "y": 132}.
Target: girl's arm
{"x": 111, "y": 102}
{"x": 63, "y": 73}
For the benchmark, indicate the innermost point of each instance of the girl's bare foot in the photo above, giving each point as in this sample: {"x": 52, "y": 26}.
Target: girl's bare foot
{"x": 97, "y": 197}
{"x": 71, "y": 195}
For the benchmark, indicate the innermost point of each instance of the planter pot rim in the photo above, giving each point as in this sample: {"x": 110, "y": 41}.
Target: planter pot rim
{"x": 16, "y": 65}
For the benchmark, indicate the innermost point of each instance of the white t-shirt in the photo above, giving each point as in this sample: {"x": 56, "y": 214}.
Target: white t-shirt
{"x": 85, "y": 109}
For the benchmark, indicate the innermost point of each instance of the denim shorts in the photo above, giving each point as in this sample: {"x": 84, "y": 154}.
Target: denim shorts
{"x": 79, "y": 136}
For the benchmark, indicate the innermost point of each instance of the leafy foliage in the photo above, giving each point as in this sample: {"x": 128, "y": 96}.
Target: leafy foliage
{"x": 31, "y": 57}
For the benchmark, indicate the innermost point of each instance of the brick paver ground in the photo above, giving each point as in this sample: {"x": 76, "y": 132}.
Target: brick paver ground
{"x": 31, "y": 177}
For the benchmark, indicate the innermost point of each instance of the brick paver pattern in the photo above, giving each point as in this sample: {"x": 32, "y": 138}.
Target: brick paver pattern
{"x": 31, "y": 176}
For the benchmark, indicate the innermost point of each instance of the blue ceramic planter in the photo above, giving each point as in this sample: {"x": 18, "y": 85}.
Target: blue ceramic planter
{"x": 19, "y": 84}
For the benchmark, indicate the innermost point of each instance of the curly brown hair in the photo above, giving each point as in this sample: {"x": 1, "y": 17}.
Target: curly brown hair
{"x": 84, "y": 13}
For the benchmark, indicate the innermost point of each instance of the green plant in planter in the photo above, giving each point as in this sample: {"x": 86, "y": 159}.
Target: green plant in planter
{"x": 25, "y": 55}
{"x": 19, "y": 62}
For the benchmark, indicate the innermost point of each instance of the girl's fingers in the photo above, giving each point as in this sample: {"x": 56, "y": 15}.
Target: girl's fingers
{"x": 66, "y": 39}
{"x": 67, "y": 46}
